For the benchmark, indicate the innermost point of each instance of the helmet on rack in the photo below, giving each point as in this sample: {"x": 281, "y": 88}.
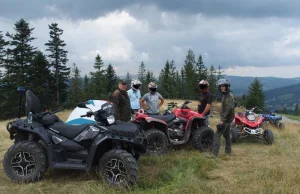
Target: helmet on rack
{"x": 203, "y": 84}
{"x": 135, "y": 84}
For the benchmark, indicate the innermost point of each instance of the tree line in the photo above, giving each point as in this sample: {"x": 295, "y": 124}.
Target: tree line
{"x": 57, "y": 85}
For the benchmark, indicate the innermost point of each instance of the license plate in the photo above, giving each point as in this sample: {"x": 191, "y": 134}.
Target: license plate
{"x": 253, "y": 131}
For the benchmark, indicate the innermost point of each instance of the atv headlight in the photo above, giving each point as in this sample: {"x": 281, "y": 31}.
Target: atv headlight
{"x": 251, "y": 117}
{"x": 111, "y": 119}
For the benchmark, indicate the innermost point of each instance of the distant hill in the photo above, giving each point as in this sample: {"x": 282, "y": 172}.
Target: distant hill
{"x": 283, "y": 97}
{"x": 240, "y": 84}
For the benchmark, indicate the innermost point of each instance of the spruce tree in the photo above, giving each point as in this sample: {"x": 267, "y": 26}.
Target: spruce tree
{"x": 200, "y": 73}
{"x": 3, "y": 44}
{"x": 111, "y": 78}
{"x": 190, "y": 75}
{"x": 75, "y": 87}
{"x": 21, "y": 53}
{"x": 86, "y": 89}
{"x": 42, "y": 81}
{"x": 142, "y": 77}
{"x": 58, "y": 60}
{"x": 212, "y": 80}
{"x": 128, "y": 79}
{"x": 297, "y": 111}
{"x": 98, "y": 81}
{"x": 255, "y": 97}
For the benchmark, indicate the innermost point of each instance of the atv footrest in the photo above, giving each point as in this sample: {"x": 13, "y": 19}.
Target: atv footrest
{"x": 70, "y": 165}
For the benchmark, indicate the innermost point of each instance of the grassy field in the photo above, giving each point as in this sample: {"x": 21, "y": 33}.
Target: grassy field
{"x": 293, "y": 117}
{"x": 253, "y": 168}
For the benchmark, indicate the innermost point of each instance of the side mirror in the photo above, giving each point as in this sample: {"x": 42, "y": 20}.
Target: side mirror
{"x": 81, "y": 105}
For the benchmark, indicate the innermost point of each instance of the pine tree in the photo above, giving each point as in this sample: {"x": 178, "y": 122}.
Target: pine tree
{"x": 21, "y": 52}
{"x": 212, "y": 80}
{"x": 183, "y": 81}
{"x": 42, "y": 81}
{"x": 75, "y": 87}
{"x": 297, "y": 111}
{"x": 167, "y": 80}
{"x": 128, "y": 79}
{"x": 284, "y": 111}
{"x": 142, "y": 77}
{"x": 149, "y": 77}
{"x": 111, "y": 78}
{"x": 219, "y": 76}
{"x": 200, "y": 73}
{"x": 190, "y": 75}
{"x": 255, "y": 97}
{"x": 86, "y": 89}
{"x": 98, "y": 81}
{"x": 58, "y": 57}
{"x": 3, "y": 44}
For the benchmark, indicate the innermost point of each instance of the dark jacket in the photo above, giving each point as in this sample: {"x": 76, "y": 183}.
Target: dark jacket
{"x": 227, "y": 108}
{"x": 121, "y": 103}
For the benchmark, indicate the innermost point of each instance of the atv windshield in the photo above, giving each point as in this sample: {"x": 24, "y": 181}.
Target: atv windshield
{"x": 106, "y": 114}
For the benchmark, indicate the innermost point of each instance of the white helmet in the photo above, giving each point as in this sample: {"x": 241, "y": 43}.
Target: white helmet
{"x": 135, "y": 84}
{"x": 203, "y": 84}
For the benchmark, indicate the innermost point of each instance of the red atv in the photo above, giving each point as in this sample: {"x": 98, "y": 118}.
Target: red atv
{"x": 250, "y": 124}
{"x": 177, "y": 127}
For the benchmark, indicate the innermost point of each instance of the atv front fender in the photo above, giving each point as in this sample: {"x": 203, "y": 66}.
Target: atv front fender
{"x": 19, "y": 126}
{"x": 194, "y": 119}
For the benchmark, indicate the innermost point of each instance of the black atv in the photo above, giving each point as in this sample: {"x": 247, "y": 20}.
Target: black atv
{"x": 48, "y": 142}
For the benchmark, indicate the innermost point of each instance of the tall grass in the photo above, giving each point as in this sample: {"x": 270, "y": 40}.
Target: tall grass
{"x": 253, "y": 168}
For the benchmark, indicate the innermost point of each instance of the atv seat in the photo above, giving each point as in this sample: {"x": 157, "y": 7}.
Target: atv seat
{"x": 167, "y": 118}
{"x": 69, "y": 131}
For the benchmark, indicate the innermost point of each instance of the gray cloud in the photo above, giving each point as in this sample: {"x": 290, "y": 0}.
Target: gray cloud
{"x": 94, "y": 8}
{"x": 231, "y": 34}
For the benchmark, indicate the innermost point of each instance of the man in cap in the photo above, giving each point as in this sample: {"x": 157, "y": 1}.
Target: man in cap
{"x": 121, "y": 103}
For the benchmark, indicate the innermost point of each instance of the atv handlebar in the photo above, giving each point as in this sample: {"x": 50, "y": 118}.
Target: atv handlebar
{"x": 88, "y": 114}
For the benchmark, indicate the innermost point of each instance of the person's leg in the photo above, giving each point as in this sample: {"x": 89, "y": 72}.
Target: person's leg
{"x": 206, "y": 121}
{"x": 227, "y": 138}
{"x": 217, "y": 142}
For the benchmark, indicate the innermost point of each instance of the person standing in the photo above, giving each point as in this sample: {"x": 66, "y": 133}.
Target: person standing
{"x": 206, "y": 99}
{"x": 152, "y": 100}
{"x": 121, "y": 103}
{"x": 135, "y": 95}
{"x": 227, "y": 116}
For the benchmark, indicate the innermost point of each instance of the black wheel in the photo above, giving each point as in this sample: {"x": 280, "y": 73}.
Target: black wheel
{"x": 118, "y": 168}
{"x": 25, "y": 161}
{"x": 202, "y": 139}
{"x": 157, "y": 142}
{"x": 234, "y": 135}
{"x": 281, "y": 126}
{"x": 268, "y": 137}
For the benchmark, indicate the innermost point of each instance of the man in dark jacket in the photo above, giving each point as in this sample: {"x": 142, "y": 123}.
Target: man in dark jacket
{"x": 121, "y": 103}
{"x": 227, "y": 116}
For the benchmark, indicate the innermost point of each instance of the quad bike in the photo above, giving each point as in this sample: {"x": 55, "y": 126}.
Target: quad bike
{"x": 177, "y": 127}
{"x": 273, "y": 120}
{"x": 249, "y": 124}
{"x": 47, "y": 142}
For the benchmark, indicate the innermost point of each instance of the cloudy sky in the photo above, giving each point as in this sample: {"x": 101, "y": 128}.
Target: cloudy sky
{"x": 248, "y": 38}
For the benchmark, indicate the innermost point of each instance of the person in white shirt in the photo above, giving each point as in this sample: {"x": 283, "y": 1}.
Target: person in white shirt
{"x": 135, "y": 95}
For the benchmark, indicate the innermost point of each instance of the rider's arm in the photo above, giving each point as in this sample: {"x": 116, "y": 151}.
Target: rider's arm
{"x": 116, "y": 104}
{"x": 162, "y": 100}
{"x": 142, "y": 101}
{"x": 206, "y": 109}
